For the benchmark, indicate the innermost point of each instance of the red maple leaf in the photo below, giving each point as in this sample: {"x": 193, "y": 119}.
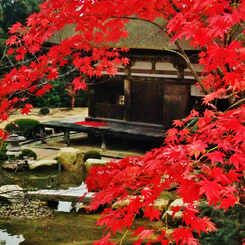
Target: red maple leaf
{"x": 47, "y": 87}
{"x": 143, "y": 233}
{"x": 40, "y": 92}
{"x": 211, "y": 190}
{"x": 78, "y": 84}
{"x": 53, "y": 74}
{"x": 152, "y": 213}
{"x": 178, "y": 123}
{"x": 26, "y": 109}
{"x": 238, "y": 160}
{"x": 228, "y": 202}
{"x": 197, "y": 147}
{"x": 10, "y": 51}
{"x": 15, "y": 27}
{"x": 216, "y": 156}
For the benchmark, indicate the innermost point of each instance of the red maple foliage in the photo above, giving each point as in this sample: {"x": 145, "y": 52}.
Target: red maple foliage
{"x": 203, "y": 155}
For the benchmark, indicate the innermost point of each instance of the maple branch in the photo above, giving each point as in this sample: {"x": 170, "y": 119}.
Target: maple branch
{"x": 145, "y": 20}
{"x": 235, "y": 104}
{"x": 125, "y": 234}
{"x": 241, "y": 205}
{"x": 190, "y": 66}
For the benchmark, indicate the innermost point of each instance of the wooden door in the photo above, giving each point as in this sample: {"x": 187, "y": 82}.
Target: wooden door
{"x": 147, "y": 102}
{"x": 176, "y": 102}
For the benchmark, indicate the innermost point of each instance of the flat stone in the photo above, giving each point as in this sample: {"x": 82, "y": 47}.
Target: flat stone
{"x": 95, "y": 162}
{"x": 178, "y": 202}
{"x": 42, "y": 163}
{"x": 11, "y": 192}
{"x": 62, "y": 195}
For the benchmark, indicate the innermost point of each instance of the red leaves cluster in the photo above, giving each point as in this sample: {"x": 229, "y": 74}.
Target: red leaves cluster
{"x": 203, "y": 155}
{"x": 199, "y": 164}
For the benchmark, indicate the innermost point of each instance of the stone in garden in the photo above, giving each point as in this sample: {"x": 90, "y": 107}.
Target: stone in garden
{"x": 94, "y": 162}
{"x": 167, "y": 195}
{"x": 71, "y": 159}
{"x": 120, "y": 204}
{"x": 82, "y": 209}
{"x": 12, "y": 193}
{"x": 174, "y": 221}
{"x": 161, "y": 205}
{"x": 178, "y": 202}
{"x": 11, "y": 167}
{"x": 44, "y": 164}
{"x": 177, "y": 218}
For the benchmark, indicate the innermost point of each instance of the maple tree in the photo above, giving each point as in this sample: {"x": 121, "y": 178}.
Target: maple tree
{"x": 203, "y": 155}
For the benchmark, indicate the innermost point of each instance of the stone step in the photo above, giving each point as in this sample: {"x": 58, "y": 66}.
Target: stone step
{"x": 61, "y": 195}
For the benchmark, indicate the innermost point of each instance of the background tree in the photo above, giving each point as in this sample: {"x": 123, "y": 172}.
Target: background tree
{"x": 16, "y": 11}
{"x": 203, "y": 155}
{"x": 10, "y": 13}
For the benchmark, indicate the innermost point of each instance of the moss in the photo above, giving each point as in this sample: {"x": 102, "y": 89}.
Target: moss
{"x": 91, "y": 154}
{"x": 28, "y": 128}
{"x": 28, "y": 153}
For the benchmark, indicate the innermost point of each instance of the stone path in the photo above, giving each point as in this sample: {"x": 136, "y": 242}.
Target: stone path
{"x": 69, "y": 195}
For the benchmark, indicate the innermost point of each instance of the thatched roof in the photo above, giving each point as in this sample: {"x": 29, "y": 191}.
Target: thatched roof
{"x": 142, "y": 35}
{"x": 145, "y": 35}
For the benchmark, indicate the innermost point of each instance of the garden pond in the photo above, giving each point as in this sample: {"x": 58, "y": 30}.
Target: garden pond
{"x": 65, "y": 226}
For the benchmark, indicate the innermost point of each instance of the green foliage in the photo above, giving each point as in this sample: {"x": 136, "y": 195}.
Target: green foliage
{"x": 3, "y": 156}
{"x": 230, "y": 225}
{"x": 58, "y": 97}
{"x": 3, "y": 150}
{"x": 44, "y": 110}
{"x": 91, "y": 154}
{"x": 3, "y": 146}
{"x": 28, "y": 153}
{"x": 13, "y": 11}
{"x": 2, "y": 242}
{"x": 28, "y": 128}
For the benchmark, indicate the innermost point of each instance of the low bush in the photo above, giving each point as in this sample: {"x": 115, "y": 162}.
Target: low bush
{"x": 3, "y": 150}
{"x": 230, "y": 225}
{"x": 29, "y": 128}
{"x": 91, "y": 154}
{"x": 44, "y": 110}
{"x": 29, "y": 153}
{"x": 3, "y": 156}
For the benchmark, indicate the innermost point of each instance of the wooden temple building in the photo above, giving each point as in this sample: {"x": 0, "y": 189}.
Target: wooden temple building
{"x": 155, "y": 88}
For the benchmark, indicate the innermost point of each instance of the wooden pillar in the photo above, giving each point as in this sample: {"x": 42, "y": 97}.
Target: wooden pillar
{"x": 67, "y": 136}
{"x": 127, "y": 94}
{"x": 103, "y": 141}
{"x": 91, "y": 101}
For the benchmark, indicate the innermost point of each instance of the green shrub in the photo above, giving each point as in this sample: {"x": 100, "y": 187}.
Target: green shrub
{"x": 3, "y": 156}
{"x": 3, "y": 146}
{"x": 230, "y": 225}
{"x": 28, "y": 153}
{"x": 28, "y": 128}
{"x": 3, "y": 150}
{"x": 91, "y": 154}
{"x": 44, "y": 110}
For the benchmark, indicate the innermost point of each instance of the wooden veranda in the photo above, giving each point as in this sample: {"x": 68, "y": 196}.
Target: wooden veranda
{"x": 121, "y": 130}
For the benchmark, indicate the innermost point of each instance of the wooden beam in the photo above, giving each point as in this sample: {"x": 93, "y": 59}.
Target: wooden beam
{"x": 127, "y": 95}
